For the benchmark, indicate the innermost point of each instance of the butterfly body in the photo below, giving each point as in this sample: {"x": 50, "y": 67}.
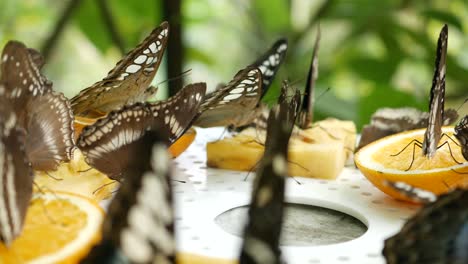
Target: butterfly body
{"x": 129, "y": 82}
{"x": 461, "y": 133}
{"x": 436, "y": 105}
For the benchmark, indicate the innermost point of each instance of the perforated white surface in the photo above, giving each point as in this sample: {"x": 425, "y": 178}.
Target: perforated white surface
{"x": 210, "y": 192}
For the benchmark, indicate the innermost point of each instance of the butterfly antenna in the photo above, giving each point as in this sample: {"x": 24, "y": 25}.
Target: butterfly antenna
{"x": 102, "y": 186}
{"x": 185, "y": 73}
{"x": 464, "y": 102}
{"x": 179, "y": 181}
{"x": 53, "y": 177}
{"x": 81, "y": 171}
{"x": 323, "y": 93}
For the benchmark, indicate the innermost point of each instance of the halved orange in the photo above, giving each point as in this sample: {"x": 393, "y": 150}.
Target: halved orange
{"x": 81, "y": 122}
{"x": 387, "y": 159}
{"x": 59, "y": 227}
{"x": 189, "y": 258}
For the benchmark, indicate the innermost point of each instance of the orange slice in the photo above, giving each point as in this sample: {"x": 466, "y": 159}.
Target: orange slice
{"x": 81, "y": 122}
{"x": 189, "y": 258}
{"x": 379, "y": 161}
{"x": 59, "y": 227}
{"x": 183, "y": 142}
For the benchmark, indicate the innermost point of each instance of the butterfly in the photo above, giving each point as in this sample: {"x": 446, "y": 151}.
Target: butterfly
{"x": 233, "y": 104}
{"x": 16, "y": 175}
{"x": 139, "y": 226}
{"x": 105, "y": 143}
{"x": 44, "y": 114}
{"x": 128, "y": 82}
{"x": 461, "y": 134}
{"x": 263, "y": 229}
{"x": 436, "y": 105}
{"x": 269, "y": 63}
{"x": 389, "y": 121}
{"x": 438, "y": 233}
{"x": 307, "y": 108}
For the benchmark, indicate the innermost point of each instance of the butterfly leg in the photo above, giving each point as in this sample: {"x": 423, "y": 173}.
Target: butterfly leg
{"x": 414, "y": 141}
{"x": 46, "y": 213}
{"x": 450, "y": 150}
{"x": 53, "y": 177}
{"x": 459, "y": 172}
{"x": 88, "y": 169}
{"x": 102, "y": 186}
{"x": 451, "y": 139}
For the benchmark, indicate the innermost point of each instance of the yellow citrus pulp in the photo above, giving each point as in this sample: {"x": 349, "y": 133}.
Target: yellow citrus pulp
{"x": 382, "y": 160}
{"x": 59, "y": 227}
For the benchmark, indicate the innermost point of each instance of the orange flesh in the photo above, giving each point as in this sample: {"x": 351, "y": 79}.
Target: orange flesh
{"x": 396, "y": 156}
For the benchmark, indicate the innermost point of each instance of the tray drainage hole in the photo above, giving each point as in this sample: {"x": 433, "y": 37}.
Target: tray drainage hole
{"x": 304, "y": 225}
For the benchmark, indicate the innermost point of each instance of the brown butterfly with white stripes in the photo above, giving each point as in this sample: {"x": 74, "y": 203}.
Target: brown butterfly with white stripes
{"x": 233, "y": 104}
{"x": 139, "y": 226}
{"x": 306, "y": 115}
{"x": 105, "y": 143}
{"x": 262, "y": 232}
{"x": 436, "y": 105}
{"x": 16, "y": 175}
{"x": 129, "y": 81}
{"x": 45, "y": 115}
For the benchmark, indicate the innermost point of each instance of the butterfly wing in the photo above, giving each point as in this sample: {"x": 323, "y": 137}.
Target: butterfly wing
{"x": 105, "y": 143}
{"x": 438, "y": 233}
{"x": 234, "y": 103}
{"x": 129, "y": 81}
{"x": 21, "y": 76}
{"x": 139, "y": 226}
{"x": 306, "y": 115}
{"x": 436, "y": 104}
{"x": 51, "y": 131}
{"x": 270, "y": 62}
{"x": 415, "y": 194}
{"x": 15, "y": 176}
{"x": 262, "y": 233}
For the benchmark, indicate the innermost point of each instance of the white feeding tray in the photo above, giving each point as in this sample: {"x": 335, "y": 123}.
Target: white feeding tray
{"x": 202, "y": 202}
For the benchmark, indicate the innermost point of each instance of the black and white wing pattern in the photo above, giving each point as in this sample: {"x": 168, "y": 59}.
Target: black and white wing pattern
{"x": 413, "y": 193}
{"x": 438, "y": 233}
{"x": 139, "y": 226}
{"x": 235, "y": 103}
{"x": 262, "y": 233}
{"x": 306, "y": 115}
{"x": 270, "y": 62}
{"x": 21, "y": 76}
{"x": 49, "y": 123}
{"x": 461, "y": 133}
{"x": 105, "y": 143}
{"x": 16, "y": 175}
{"x": 436, "y": 104}
{"x": 129, "y": 81}
{"x": 45, "y": 115}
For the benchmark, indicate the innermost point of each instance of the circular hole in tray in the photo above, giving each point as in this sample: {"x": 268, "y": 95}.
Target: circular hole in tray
{"x": 304, "y": 225}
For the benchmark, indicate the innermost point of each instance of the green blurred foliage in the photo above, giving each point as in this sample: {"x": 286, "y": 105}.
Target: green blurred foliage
{"x": 372, "y": 53}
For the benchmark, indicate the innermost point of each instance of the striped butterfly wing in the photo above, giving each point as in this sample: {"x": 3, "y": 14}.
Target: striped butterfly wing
{"x": 270, "y": 62}
{"x": 233, "y": 104}
{"x": 438, "y": 233}
{"x": 306, "y": 114}
{"x": 129, "y": 81}
{"x": 45, "y": 115}
{"x": 436, "y": 103}
{"x": 263, "y": 229}
{"x": 139, "y": 226}
{"x": 16, "y": 175}
{"x": 413, "y": 193}
{"x": 49, "y": 123}
{"x": 461, "y": 133}
{"x": 105, "y": 143}
{"x": 21, "y": 75}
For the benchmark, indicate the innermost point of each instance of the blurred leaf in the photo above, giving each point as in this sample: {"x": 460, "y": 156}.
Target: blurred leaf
{"x": 272, "y": 23}
{"x": 384, "y": 96}
{"x": 200, "y": 56}
{"x": 444, "y": 17}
